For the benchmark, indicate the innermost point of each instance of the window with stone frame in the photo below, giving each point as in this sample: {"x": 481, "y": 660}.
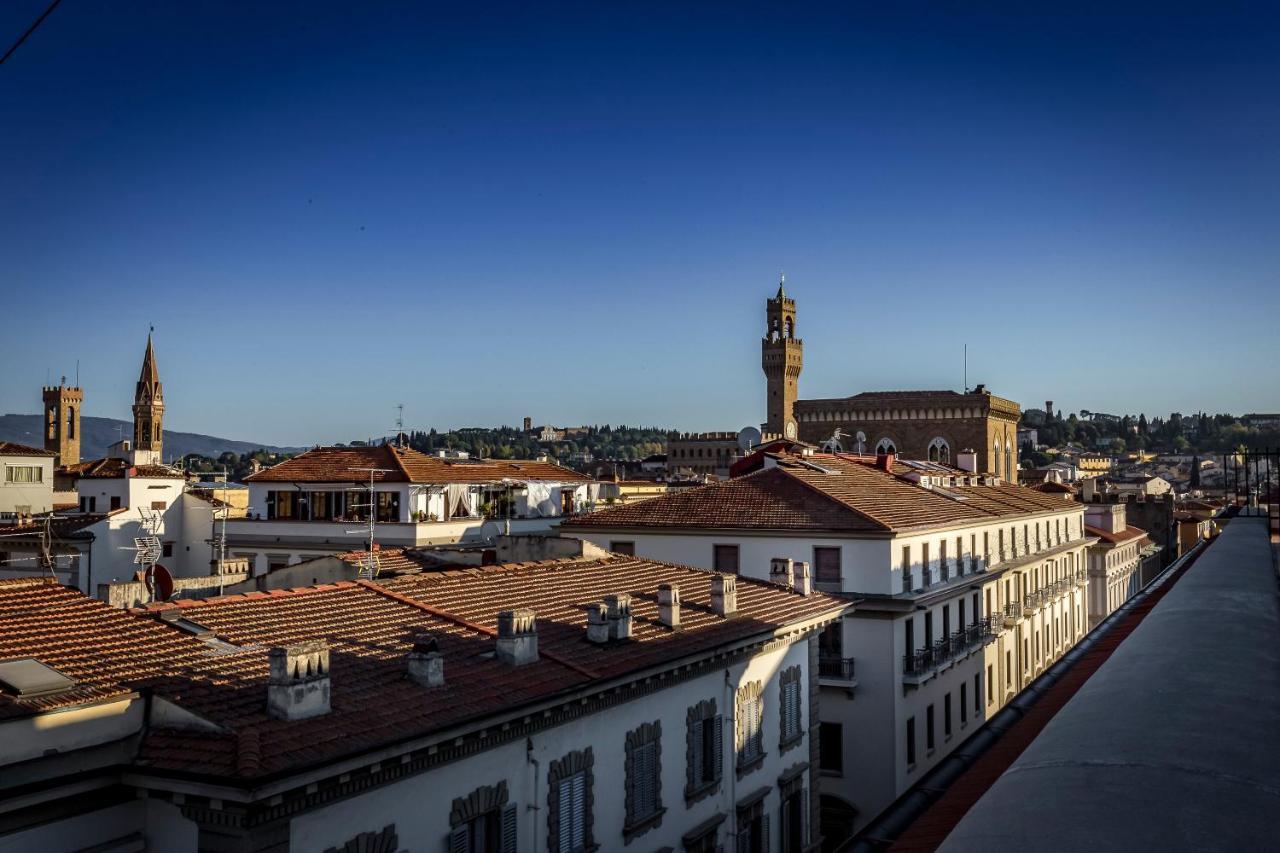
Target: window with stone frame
{"x": 749, "y": 729}
{"x": 643, "y": 768}
{"x": 753, "y": 825}
{"x": 703, "y": 838}
{"x": 791, "y": 708}
{"x": 704, "y": 751}
{"x": 483, "y": 821}
{"x": 794, "y": 812}
{"x": 383, "y": 841}
{"x": 570, "y": 802}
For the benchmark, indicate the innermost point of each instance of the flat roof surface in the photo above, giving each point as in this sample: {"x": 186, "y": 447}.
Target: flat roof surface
{"x": 1173, "y": 743}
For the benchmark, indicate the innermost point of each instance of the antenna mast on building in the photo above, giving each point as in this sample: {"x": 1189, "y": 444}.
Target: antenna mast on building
{"x": 147, "y": 546}
{"x": 369, "y": 570}
{"x": 966, "y": 368}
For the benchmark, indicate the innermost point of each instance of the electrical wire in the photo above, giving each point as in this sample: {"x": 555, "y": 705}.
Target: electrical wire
{"x": 31, "y": 29}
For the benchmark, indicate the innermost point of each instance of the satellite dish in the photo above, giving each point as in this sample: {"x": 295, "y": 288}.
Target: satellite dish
{"x": 159, "y": 582}
{"x": 748, "y": 437}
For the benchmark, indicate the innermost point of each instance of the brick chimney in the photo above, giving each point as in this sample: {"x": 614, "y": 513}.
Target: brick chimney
{"x": 724, "y": 594}
{"x": 598, "y": 623}
{"x": 884, "y": 461}
{"x": 426, "y": 664}
{"x": 619, "y": 607}
{"x": 801, "y": 580}
{"x": 669, "y": 605}
{"x": 517, "y": 637}
{"x": 298, "y": 681}
{"x": 780, "y": 572}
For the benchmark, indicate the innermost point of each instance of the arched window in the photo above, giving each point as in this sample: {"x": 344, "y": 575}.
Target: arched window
{"x": 886, "y": 445}
{"x": 789, "y": 330}
{"x": 940, "y": 451}
{"x": 71, "y": 422}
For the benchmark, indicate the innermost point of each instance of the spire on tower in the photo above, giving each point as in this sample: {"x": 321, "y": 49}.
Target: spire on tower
{"x": 782, "y": 281}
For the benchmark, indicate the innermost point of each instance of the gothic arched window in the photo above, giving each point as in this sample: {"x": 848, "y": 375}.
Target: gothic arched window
{"x": 940, "y": 451}
{"x": 886, "y": 445}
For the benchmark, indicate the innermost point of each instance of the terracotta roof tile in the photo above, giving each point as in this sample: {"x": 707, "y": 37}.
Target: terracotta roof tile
{"x": 827, "y": 491}
{"x": 342, "y": 464}
{"x": 1116, "y": 538}
{"x": 369, "y": 628}
{"x": 9, "y": 448}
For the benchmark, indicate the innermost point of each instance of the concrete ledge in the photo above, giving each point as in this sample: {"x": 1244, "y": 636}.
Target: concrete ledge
{"x": 1173, "y": 743}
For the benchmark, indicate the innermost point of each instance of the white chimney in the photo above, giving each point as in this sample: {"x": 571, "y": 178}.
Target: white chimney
{"x": 426, "y": 664}
{"x": 598, "y": 623}
{"x": 669, "y": 605}
{"x": 801, "y": 580}
{"x": 780, "y": 569}
{"x": 517, "y": 637}
{"x": 619, "y": 605}
{"x": 967, "y": 460}
{"x": 298, "y": 681}
{"x": 724, "y": 594}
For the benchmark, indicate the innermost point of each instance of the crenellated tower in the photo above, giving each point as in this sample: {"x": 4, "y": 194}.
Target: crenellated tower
{"x": 62, "y": 421}
{"x": 148, "y": 409}
{"x": 782, "y": 357}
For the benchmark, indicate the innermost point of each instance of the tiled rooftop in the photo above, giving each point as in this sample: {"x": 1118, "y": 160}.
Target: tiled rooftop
{"x": 9, "y": 448}
{"x": 113, "y": 468}
{"x": 369, "y": 629}
{"x": 825, "y": 491}
{"x": 404, "y": 465}
{"x": 1115, "y": 538}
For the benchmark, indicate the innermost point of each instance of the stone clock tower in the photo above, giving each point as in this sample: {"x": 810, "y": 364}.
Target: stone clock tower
{"x": 782, "y": 357}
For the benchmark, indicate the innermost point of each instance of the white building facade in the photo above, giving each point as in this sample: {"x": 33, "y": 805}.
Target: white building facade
{"x": 952, "y": 620}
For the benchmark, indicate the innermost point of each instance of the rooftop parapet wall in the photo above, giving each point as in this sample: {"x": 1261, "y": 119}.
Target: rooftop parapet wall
{"x": 1171, "y": 744}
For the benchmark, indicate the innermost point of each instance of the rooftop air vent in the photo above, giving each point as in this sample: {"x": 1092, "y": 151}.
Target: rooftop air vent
{"x": 28, "y": 677}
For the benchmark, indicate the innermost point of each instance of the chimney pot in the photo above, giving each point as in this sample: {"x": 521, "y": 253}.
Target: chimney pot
{"x": 619, "y": 613}
{"x": 426, "y": 664}
{"x": 884, "y": 461}
{"x": 724, "y": 594}
{"x": 801, "y": 580}
{"x": 669, "y": 605}
{"x": 298, "y": 681}
{"x": 598, "y": 623}
{"x": 780, "y": 572}
{"x": 517, "y": 637}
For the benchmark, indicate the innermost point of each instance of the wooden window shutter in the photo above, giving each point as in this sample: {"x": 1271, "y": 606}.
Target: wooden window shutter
{"x": 696, "y": 771}
{"x": 509, "y": 828}
{"x": 718, "y": 747}
{"x": 764, "y": 833}
{"x": 460, "y": 839}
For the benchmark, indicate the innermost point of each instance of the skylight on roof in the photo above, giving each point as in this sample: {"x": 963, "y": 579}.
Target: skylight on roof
{"x": 28, "y": 677}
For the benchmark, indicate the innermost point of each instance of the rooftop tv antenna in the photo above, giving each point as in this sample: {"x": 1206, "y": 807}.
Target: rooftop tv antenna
{"x": 369, "y": 570}
{"x": 966, "y": 368}
{"x": 147, "y": 546}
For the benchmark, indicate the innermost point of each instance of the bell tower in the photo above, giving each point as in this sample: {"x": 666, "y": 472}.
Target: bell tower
{"x": 62, "y": 421}
{"x": 782, "y": 357}
{"x": 148, "y": 410}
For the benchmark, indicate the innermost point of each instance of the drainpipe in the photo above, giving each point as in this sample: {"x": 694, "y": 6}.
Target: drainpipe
{"x": 533, "y": 805}
{"x": 731, "y": 723}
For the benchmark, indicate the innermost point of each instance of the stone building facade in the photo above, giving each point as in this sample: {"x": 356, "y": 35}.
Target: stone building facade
{"x": 62, "y": 404}
{"x": 934, "y": 425}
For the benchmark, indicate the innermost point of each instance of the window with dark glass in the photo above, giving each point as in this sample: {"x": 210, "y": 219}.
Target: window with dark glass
{"x": 831, "y": 747}
{"x": 627, "y": 549}
{"x": 911, "y": 741}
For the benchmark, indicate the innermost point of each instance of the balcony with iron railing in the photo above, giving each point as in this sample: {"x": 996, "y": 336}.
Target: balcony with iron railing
{"x": 1012, "y": 613}
{"x": 918, "y": 666}
{"x": 836, "y": 670}
{"x": 1031, "y": 601}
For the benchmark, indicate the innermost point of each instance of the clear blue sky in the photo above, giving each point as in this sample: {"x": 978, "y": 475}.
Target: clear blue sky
{"x": 576, "y": 212}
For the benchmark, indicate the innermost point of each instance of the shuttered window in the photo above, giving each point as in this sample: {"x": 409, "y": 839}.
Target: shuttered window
{"x": 750, "y": 710}
{"x": 705, "y": 748}
{"x": 643, "y": 779}
{"x": 726, "y": 558}
{"x": 573, "y": 813}
{"x": 491, "y": 832}
{"x": 790, "y": 717}
{"x": 826, "y": 566}
{"x": 753, "y": 830}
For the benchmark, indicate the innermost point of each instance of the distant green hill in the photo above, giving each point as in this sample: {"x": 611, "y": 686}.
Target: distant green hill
{"x": 97, "y": 434}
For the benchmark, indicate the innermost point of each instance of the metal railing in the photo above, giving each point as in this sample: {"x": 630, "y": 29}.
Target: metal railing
{"x": 833, "y": 666}
{"x": 918, "y": 662}
{"x": 1032, "y": 600}
{"x": 1014, "y": 610}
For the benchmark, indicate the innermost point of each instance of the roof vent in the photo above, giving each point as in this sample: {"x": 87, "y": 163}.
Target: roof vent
{"x": 517, "y": 637}
{"x": 598, "y": 623}
{"x": 780, "y": 572}
{"x": 801, "y": 580}
{"x": 669, "y": 605}
{"x": 28, "y": 677}
{"x": 173, "y": 616}
{"x": 298, "y": 684}
{"x": 426, "y": 664}
{"x": 619, "y": 605}
{"x": 724, "y": 594}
